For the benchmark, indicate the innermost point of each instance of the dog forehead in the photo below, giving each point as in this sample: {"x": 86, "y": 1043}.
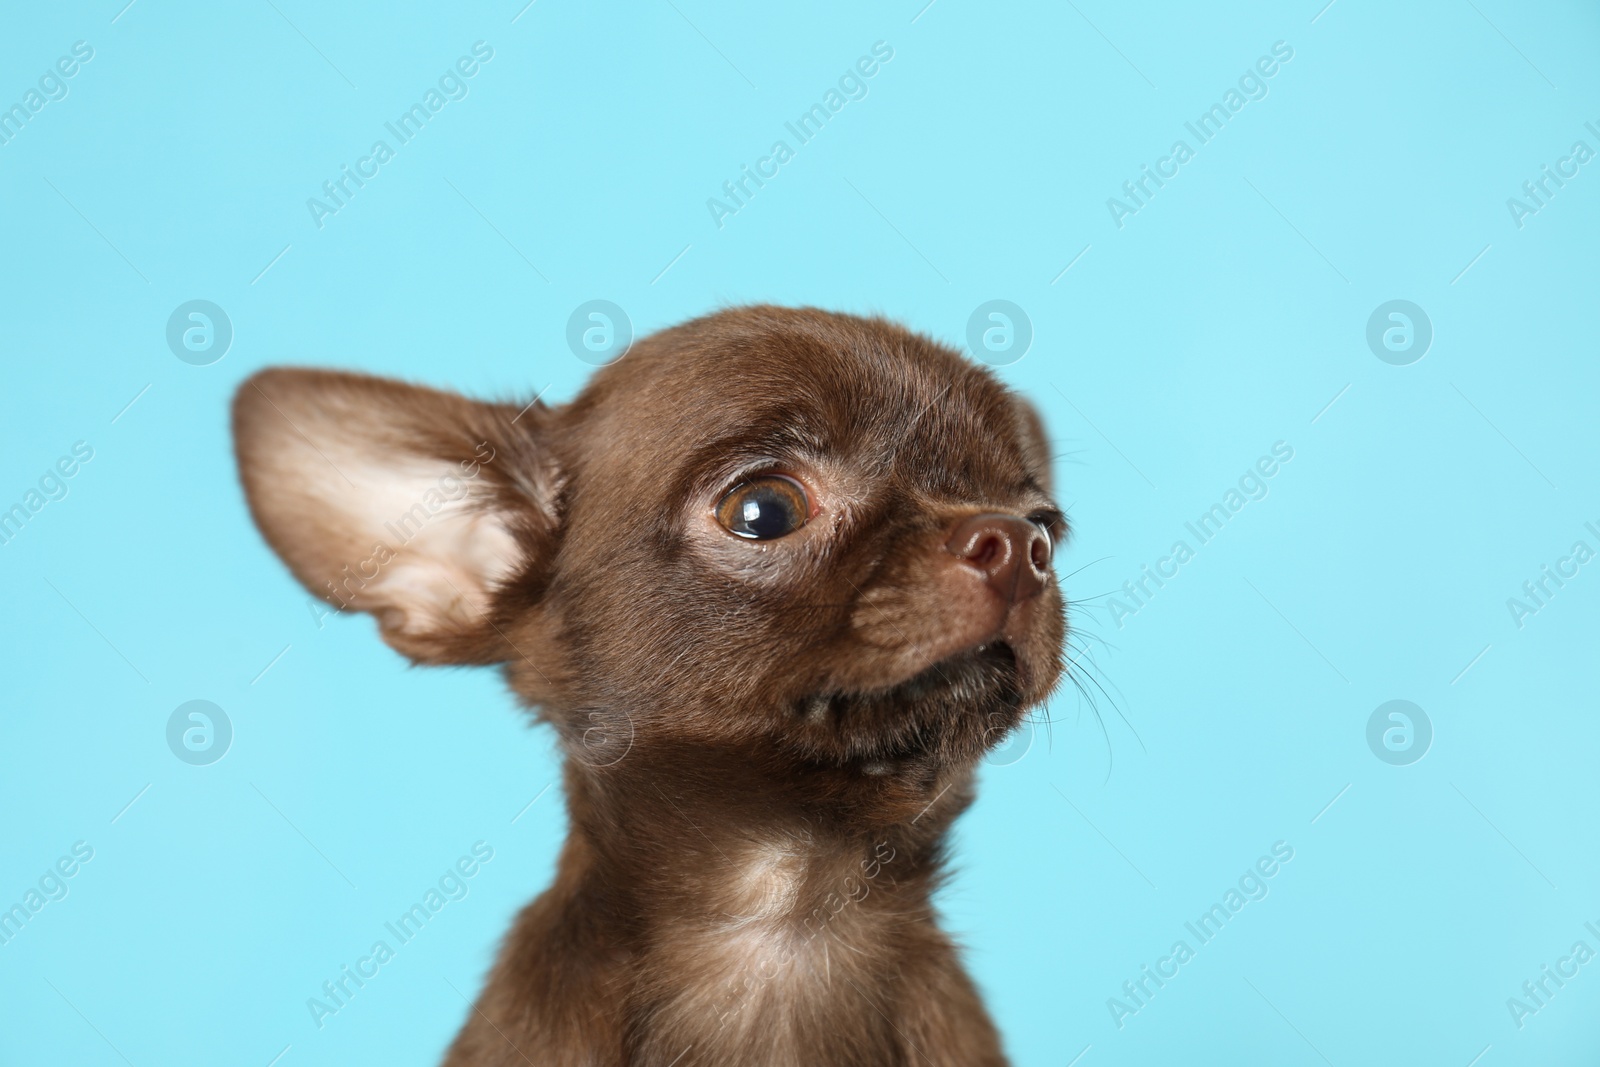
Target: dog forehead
{"x": 832, "y": 381}
{"x": 693, "y": 406}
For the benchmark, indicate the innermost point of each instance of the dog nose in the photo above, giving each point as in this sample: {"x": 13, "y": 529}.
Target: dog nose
{"x": 1012, "y": 553}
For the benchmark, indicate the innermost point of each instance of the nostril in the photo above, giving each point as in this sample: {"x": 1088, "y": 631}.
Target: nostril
{"x": 1010, "y": 552}
{"x": 988, "y": 549}
{"x": 1039, "y": 553}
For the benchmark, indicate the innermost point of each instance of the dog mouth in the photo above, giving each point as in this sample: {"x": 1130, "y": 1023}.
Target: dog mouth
{"x": 972, "y": 675}
{"x": 953, "y": 709}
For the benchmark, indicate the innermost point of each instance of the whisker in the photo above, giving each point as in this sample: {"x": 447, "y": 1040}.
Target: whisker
{"x": 1092, "y": 676}
{"x": 1078, "y": 631}
{"x": 1086, "y": 566}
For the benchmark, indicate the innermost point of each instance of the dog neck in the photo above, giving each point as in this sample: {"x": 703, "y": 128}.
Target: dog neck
{"x": 686, "y": 823}
{"x": 746, "y": 905}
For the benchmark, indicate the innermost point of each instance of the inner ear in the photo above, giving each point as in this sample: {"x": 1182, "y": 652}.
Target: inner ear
{"x": 415, "y": 505}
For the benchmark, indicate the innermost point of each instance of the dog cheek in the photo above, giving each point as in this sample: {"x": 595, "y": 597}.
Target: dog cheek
{"x": 547, "y": 669}
{"x": 892, "y": 634}
{"x": 914, "y": 616}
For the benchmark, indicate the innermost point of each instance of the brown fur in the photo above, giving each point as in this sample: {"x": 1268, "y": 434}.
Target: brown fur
{"x": 766, "y": 742}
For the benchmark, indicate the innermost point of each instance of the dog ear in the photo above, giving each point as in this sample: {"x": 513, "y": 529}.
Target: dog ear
{"x": 1035, "y": 442}
{"x": 415, "y": 505}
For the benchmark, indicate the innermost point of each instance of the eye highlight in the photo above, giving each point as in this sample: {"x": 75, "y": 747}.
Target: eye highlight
{"x": 1052, "y": 522}
{"x": 764, "y": 508}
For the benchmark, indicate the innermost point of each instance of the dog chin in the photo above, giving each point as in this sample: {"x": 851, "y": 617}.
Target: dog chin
{"x": 950, "y": 712}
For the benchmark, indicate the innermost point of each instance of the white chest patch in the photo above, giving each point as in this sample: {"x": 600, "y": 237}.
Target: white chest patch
{"x": 780, "y": 946}
{"x": 768, "y": 885}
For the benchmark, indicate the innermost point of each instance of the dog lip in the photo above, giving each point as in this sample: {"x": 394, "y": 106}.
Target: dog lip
{"x": 995, "y": 652}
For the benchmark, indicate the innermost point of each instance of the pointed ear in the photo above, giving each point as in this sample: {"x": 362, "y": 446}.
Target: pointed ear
{"x": 412, "y": 504}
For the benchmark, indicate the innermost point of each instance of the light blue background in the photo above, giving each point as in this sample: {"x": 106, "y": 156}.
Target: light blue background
{"x": 1223, "y": 317}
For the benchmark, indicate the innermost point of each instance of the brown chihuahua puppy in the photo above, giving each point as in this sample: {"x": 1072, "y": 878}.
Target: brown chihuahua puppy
{"x": 778, "y": 579}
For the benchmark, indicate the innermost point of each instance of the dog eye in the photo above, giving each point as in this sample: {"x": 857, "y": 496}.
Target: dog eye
{"x": 764, "y": 508}
{"x": 1051, "y": 521}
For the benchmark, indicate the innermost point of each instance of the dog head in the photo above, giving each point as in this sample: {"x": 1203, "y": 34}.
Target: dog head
{"x": 815, "y": 538}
